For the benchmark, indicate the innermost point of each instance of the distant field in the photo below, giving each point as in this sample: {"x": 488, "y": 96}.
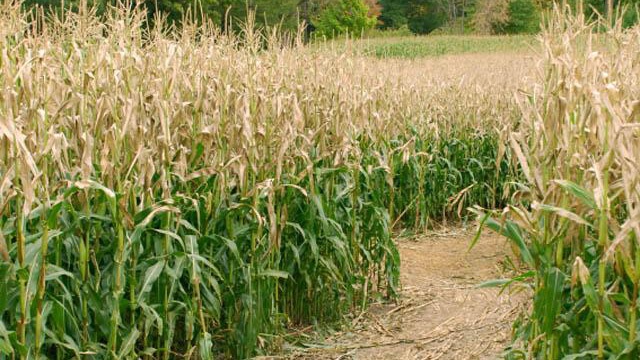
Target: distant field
{"x": 438, "y": 45}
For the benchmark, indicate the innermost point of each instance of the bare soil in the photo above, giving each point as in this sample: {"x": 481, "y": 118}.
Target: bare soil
{"x": 442, "y": 313}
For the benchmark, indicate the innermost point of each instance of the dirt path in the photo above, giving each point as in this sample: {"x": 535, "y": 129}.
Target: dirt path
{"x": 441, "y": 313}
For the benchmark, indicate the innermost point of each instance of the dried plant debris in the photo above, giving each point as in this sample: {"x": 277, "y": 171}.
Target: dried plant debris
{"x": 441, "y": 313}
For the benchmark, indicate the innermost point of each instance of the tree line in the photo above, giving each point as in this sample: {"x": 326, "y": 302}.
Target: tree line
{"x": 327, "y": 18}
{"x": 487, "y": 16}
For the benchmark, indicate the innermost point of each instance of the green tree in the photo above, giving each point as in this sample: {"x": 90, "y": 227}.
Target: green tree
{"x": 598, "y": 8}
{"x": 490, "y": 16}
{"x": 174, "y": 10}
{"x": 506, "y": 16}
{"x": 394, "y": 14}
{"x": 344, "y": 16}
{"x": 524, "y": 17}
{"x": 421, "y": 16}
{"x": 424, "y": 16}
{"x": 283, "y": 13}
{"x": 595, "y": 8}
{"x": 56, "y": 5}
{"x": 631, "y": 16}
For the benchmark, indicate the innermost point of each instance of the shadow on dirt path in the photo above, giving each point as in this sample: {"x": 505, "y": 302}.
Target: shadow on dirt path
{"x": 441, "y": 313}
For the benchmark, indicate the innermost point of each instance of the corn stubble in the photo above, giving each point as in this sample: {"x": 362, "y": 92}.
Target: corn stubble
{"x": 185, "y": 193}
{"x": 577, "y": 223}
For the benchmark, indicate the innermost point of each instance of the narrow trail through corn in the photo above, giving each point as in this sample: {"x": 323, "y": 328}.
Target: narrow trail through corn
{"x": 442, "y": 314}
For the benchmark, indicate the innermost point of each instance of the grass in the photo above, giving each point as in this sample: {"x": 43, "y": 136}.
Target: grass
{"x": 440, "y": 45}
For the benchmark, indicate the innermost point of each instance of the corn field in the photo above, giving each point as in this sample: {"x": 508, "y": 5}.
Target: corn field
{"x": 186, "y": 193}
{"x": 575, "y": 217}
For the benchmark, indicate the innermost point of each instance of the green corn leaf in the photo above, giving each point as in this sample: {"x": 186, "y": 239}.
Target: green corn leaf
{"x": 317, "y": 201}
{"x": 296, "y": 253}
{"x": 313, "y": 244}
{"x": 55, "y": 272}
{"x": 5, "y": 347}
{"x": 483, "y": 221}
{"x": 494, "y": 283}
{"x": 579, "y": 192}
{"x": 233, "y": 248}
{"x": 128, "y": 344}
{"x": 615, "y": 334}
{"x": 298, "y": 228}
{"x": 590, "y": 354}
{"x": 207, "y": 263}
{"x": 187, "y": 225}
{"x": 67, "y": 342}
{"x": 205, "y": 345}
{"x": 563, "y": 213}
{"x": 152, "y": 317}
{"x": 110, "y": 194}
{"x": 150, "y": 276}
{"x": 512, "y": 232}
{"x": 504, "y": 283}
{"x": 549, "y": 299}
{"x": 168, "y": 233}
{"x": 274, "y": 273}
{"x": 5, "y": 342}
{"x": 591, "y": 295}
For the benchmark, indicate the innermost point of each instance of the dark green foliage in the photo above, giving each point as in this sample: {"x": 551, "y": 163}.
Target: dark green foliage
{"x": 56, "y": 5}
{"x": 343, "y": 16}
{"x": 631, "y": 16}
{"x": 174, "y": 10}
{"x": 285, "y": 14}
{"x": 394, "y": 14}
{"x": 463, "y": 172}
{"x": 423, "y": 17}
{"x": 524, "y": 17}
{"x": 593, "y": 7}
{"x": 597, "y": 8}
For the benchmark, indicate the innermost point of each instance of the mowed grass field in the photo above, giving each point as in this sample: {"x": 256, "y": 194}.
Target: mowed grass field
{"x": 415, "y": 47}
{"x": 192, "y": 194}
{"x": 431, "y": 46}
